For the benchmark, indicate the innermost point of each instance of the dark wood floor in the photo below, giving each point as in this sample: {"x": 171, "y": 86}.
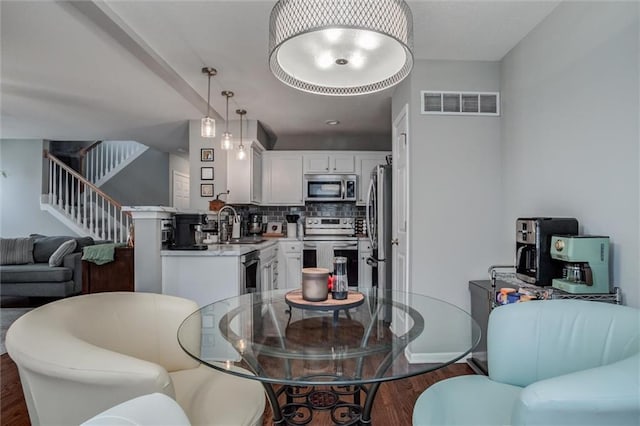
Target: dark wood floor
{"x": 393, "y": 406}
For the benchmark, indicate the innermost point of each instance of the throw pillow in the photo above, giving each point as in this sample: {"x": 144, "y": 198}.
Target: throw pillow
{"x": 16, "y": 251}
{"x": 65, "y": 248}
{"x": 44, "y": 247}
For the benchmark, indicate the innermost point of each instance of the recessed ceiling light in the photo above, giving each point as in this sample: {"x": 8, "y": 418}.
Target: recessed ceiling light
{"x": 332, "y": 122}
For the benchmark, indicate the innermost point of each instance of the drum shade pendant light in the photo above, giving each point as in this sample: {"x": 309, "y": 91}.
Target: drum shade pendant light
{"x": 341, "y": 47}
{"x": 226, "y": 143}
{"x": 242, "y": 152}
{"x": 208, "y": 125}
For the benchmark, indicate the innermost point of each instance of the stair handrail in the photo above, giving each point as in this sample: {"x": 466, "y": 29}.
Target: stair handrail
{"x": 99, "y": 215}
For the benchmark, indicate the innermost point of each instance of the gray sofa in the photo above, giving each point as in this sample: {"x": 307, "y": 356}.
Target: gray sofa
{"x": 38, "y": 279}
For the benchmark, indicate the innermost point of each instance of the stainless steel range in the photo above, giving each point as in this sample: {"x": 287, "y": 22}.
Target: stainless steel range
{"x": 330, "y": 228}
{"x": 328, "y": 237}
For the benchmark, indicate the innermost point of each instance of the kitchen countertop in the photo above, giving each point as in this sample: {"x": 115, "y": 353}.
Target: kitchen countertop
{"x": 222, "y": 249}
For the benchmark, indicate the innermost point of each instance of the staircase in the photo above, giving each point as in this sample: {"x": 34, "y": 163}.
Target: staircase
{"x": 81, "y": 205}
{"x": 104, "y": 159}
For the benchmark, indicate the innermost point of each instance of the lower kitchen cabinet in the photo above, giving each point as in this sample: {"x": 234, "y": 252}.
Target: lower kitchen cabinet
{"x": 290, "y": 264}
{"x": 365, "y": 271}
{"x": 269, "y": 268}
{"x": 201, "y": 278}
{"x": 113, "y": 276}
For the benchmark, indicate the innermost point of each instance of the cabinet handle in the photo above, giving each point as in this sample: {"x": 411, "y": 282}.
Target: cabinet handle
{"x": 326, "y": 168}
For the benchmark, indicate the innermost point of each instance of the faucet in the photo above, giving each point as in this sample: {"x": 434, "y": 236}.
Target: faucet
{"x": 235, "y": 215}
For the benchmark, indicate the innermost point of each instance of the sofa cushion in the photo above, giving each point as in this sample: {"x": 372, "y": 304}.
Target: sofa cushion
{"x": 65, "y": 248}
{"x": 36, "y": 272}
{"x": 16, "y": 251}
{"x": 44, "y": 247}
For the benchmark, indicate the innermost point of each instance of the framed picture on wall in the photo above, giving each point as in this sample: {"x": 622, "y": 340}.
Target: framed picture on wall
{"x": 206, "y": 190}
{"x": 206, "y": 173}
{"x": 206, "y": 154}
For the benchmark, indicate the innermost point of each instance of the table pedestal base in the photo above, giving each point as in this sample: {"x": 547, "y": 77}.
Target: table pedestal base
{"x": 343, "y": 403}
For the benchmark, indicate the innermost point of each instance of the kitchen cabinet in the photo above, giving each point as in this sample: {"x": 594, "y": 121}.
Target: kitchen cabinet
{"x": 201, "y": 277}
{"x": 365, "y": 163}
{"x": 290, "y": 256}
{"x": 282, "y": 179}
{"x": 244, "y": 177}
{"x": 269, "y": 268}
{"x": 329, "y": 163}
{"x": 365, "y": 271}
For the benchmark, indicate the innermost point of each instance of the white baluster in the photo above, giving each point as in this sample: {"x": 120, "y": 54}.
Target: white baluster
{"x": 66, "y": 191}
{"x": 50, "y": 182}
{"x": 72, "y": 190}
{"x": 109, "y": 230}
{"x": 91, "y": 213}
{"x": 59, "y": 189}
{"x": 84, "y": 207}
{"x": 103, "y": 218}
{"x": 78, "y": 211}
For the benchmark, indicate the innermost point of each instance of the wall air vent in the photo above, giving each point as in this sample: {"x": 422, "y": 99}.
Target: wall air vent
{"x": 460, "y": 103}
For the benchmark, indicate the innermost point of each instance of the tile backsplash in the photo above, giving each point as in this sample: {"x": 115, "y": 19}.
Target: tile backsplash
{"x": 277, "y": 213}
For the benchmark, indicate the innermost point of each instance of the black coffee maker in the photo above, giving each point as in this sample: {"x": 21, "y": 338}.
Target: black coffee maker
{"x": 187, "y": 232}
{"x": 534, "y": 264}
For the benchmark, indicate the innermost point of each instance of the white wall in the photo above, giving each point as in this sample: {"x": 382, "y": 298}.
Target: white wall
{"x": 20, "y": 191}
{"x": 570, "y": 97}
{"x": 197, "y": 142}
{"x": 455, "y": 181}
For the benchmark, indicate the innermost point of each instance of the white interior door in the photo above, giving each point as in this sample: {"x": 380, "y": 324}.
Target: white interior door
{"x": 400, "y": 219}
{"x": 180, "y": 191}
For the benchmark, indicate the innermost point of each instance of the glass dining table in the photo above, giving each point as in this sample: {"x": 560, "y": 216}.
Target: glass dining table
{"x": 322, "y": 356}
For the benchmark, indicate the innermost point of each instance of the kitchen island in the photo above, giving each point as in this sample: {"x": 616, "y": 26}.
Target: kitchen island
{"x": 207, "y": 276}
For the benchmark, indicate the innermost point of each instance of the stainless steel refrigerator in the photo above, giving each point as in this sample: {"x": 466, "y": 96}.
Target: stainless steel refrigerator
{"x": 379, "y": 211}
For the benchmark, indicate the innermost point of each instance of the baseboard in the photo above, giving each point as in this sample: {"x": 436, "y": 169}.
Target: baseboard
{"x": 429, "y": 358}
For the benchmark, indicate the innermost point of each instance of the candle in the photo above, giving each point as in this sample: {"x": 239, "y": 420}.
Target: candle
{"x": 314, "y": 284}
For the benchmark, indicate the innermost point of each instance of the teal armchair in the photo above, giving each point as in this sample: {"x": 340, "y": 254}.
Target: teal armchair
{"x": 554, "y": 362}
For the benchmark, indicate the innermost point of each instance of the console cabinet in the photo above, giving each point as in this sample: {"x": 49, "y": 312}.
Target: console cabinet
{"x": 113, "y": 276}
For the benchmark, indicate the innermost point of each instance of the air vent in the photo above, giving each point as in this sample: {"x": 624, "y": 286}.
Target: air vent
{"x": 460, "y": 103}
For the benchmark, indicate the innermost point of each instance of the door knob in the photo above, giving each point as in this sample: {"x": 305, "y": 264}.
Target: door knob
{"x": 394, "y": 241}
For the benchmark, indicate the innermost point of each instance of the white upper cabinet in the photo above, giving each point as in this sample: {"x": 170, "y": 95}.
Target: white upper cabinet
{"x": 322, "y": 163}
{"x": 244, "y": 177}
{"x": 365, "y": 162}
{"x": 282, "y": 178}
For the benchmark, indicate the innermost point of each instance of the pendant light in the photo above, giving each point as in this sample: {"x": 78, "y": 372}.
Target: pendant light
{"x": 226, "y": 143}
{"x": 242, "y": 152}
{"x": 339, "y": 47}
{"x": 208, "y": 124}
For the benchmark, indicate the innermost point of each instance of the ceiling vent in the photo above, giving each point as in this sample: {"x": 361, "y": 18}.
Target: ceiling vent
{"x": 460, "y": 103}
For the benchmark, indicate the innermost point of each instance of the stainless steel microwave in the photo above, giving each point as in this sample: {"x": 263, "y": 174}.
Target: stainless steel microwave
{"x": 330, "y": 187}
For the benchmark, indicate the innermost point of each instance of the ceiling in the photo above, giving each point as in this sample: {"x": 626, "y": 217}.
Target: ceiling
{"x": 90, "y": 70}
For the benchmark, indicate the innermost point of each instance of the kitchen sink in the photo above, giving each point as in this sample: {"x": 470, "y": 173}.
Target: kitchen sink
{"x": 249, "y": 240}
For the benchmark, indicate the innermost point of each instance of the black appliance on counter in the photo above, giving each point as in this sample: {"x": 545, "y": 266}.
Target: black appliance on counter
{"x": 534, "y": 264}
{"x": 187, "y": 232}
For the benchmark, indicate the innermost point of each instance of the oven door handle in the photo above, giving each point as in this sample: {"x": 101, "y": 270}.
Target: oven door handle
{"x": 346, "y": 246}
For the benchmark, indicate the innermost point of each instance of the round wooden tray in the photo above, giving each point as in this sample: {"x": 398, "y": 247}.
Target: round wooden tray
{"x": 294, "y": 298}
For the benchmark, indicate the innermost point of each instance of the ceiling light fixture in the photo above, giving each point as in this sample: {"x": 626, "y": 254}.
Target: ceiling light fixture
{"x": 226, "y": 143}
{"x": 341, "y": 47}
{"x": 242, "y": 152}
{"x": 332, "y": 122}
{"x": 208, "y": 124}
